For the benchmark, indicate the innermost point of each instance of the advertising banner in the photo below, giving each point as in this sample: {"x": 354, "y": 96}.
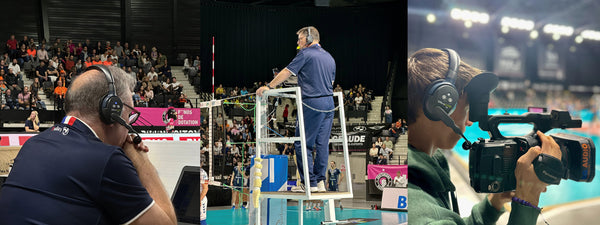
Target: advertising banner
{"x": 163, "y": 117}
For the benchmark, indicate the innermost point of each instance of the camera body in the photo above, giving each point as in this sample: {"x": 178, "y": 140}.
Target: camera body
{"x": 492, "y": 162}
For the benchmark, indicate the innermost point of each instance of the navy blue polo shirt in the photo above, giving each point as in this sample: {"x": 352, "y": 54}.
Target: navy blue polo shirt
{"x": 315, "y": 69}
{"x": 66, "y": 175}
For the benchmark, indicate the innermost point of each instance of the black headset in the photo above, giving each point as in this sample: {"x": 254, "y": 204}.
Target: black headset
{"x": 309, "y": 37}
{"x": 111, "y": 103}
{"x": 441, "y": 95}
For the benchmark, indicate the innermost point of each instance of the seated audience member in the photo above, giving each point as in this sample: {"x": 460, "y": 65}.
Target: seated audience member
{"x": 59, "y": 94}
{"x": 32, "y": 124}
{"x": 373, "y": 152}
{"x": 40, "y": 72}
{"x": 11, "y": 101}
{"x": 24, "y": 99}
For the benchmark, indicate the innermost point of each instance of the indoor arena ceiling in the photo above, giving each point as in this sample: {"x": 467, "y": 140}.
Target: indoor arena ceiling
{"x": 329, "y": 3}
{"x": 578, "y": 14}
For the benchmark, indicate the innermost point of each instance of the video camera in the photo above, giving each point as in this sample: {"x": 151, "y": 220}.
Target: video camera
{"x": 492, "y": 161}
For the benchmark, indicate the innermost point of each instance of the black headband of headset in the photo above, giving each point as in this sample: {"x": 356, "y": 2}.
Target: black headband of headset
{"x": 109, "y": 77}
{"x": 453, "y": 64}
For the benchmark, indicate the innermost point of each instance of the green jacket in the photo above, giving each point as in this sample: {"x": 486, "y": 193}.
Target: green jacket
{"x": 429, "y": 200}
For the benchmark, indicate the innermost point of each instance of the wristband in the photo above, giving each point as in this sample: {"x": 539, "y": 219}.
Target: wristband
{"x": 525, "y": 203}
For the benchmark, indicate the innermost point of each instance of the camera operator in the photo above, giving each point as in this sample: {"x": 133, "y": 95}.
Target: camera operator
{"x": 428, "y": 170}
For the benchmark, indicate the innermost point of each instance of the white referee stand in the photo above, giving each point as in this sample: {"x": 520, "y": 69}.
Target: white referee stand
{"x": 262, "y": 140}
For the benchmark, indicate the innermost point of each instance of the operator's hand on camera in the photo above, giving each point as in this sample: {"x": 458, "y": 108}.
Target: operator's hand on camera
{"x": 498, "y": 199}
{"x": 529, "y": 187}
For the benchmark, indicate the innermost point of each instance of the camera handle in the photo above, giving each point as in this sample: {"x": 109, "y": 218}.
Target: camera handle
{"x": 548, "y": 169}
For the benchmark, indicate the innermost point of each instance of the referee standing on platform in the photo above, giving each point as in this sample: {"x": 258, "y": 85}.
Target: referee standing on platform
{"x": 315, "y": 69}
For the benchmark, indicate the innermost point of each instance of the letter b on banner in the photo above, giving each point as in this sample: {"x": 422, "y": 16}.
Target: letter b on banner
{"x": 402, "y": 202}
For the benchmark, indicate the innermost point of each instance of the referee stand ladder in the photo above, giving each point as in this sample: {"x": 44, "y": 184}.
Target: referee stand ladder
{"x": 263, "y": 140}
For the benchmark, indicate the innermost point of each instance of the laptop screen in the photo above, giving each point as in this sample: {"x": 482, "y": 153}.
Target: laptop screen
{"x": 186, "y": 197}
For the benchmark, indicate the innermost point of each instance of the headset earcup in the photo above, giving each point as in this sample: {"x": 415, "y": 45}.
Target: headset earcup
{"x": 441, "y": 94}
{"x": 110, "y": 104}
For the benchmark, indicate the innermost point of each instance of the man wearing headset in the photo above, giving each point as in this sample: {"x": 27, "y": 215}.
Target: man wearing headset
{"x": 430, "y": 188}
{"x": 315, "y": 69}
{"x": 87, "y": 169}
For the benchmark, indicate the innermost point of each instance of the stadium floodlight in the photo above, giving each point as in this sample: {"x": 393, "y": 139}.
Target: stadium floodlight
{"x": 578, "y": 39}
{"x": 430, "y": 18}
{"x": 561, "y": 30}
{"x": 516, "y": 23}
{"x": 533, "y": 34}
{"x": 469, "y": 15}
{"x": 590, "y": 35}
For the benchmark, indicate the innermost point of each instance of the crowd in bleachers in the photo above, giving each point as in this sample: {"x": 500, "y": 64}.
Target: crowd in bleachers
{"x": 52, "y": 67}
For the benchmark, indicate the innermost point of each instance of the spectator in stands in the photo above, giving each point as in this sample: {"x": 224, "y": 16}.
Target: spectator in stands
{"x": 156, "y": 85}
{"x": 42, "y": 54}
{"x": 149, "y": 95}
{"x": 388, "y": 142}
{"x": 373, "y": 152}
{"x": 244, "y": 91}
{"x": 118, "y": 50}
{"x": 338, "y": 88}
{"x": 16, "y": 69}
{"x": 388, "y": 153}
{"x": 176, "y": 87}
{"x": 24, "y": 98}
{"x": 22, "y": 55}
{"x": 84, "y": 54}
{"x": 59, "y": 94}
{"x": 165, "y": 70}
{"x": 69, "y": 63}
{"x": 3, "y": 86}
{"x": 11, "y": 100}
{"x": 388, "y": 115}
{"x": 154, "y": 55}
{"x": 11, "y": 45}
{"x": 37, "y": 103}
{"x": 152, "y": 73}
{"x": 393, "y": 131}
{"x": 2, "y": 98}
{"x": 32, "y": 124}
{"x": 40, "y": 72}
{"x": 3, "y": 66}
{"x": 379, "y": 143}
{"x": 12, "y": 81}
{"x": 381, "y": 160}
{"x": 161, "y": 61}
{"x": 70, "y": 47}
{"x": 196, "y": 63}
{"x": 35, "y": 86}
{"x": 220, "y": 92}
{"x": 286, "y": 113}
{"x": 32, "y": 52}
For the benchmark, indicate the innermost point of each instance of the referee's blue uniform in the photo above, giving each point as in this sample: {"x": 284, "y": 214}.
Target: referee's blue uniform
{"x": 315, "y": 69}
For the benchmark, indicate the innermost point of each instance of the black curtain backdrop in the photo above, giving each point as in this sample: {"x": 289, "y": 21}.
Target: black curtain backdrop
{"x": 251, "y": 40}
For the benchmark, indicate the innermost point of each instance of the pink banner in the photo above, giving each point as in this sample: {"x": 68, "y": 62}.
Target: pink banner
{"x": 374, "y": 170}
{"x": 168, "y": 117}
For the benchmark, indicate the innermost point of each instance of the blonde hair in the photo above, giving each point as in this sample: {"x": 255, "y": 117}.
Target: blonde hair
{"x": 313, "y": 32}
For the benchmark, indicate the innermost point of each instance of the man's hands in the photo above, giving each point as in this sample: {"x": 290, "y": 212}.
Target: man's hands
{"x": 262, "y": 89}
{"x": 529, "y": 187}
{"x": 135, "y": 153}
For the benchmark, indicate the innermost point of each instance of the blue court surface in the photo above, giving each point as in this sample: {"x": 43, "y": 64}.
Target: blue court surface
{"x": 567, "y": 191}
{"x": 367, "y": 217}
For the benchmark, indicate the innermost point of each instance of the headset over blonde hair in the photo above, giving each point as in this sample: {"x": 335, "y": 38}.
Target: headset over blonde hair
{"x": 426, "y": 66}
{"x": 313, "y": 32}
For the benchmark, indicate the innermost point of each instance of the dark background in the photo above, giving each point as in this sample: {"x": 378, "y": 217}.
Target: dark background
{"x": 251, "y": 37}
